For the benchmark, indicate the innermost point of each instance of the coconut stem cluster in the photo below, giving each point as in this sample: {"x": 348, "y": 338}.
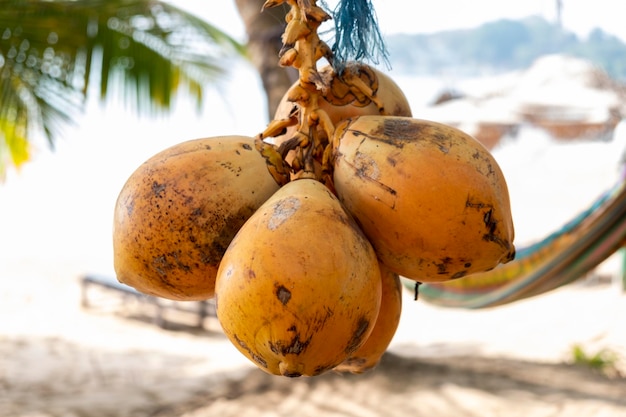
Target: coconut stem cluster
{"x": 312, "y": 140}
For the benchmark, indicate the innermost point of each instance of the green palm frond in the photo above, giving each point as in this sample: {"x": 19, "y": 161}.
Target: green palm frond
{"x": 148, "y": 51}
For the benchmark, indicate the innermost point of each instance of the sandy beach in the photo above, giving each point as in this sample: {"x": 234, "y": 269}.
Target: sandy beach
{"x": 58, "y": 359}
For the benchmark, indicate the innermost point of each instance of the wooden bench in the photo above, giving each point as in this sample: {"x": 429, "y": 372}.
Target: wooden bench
{"x": 198, "y": 309}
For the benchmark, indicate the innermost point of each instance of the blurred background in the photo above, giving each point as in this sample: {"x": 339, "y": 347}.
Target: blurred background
{"x": 91, "y": 89}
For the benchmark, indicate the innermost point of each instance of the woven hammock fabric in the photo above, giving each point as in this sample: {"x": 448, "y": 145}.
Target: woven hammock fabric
{"x": 559, "y": 259}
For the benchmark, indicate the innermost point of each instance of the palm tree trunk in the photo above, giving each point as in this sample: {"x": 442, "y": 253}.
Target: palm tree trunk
{"x": 264, "y": 30}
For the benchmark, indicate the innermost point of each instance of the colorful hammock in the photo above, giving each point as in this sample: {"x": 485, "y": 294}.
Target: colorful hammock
{"x": 561, "y": 258}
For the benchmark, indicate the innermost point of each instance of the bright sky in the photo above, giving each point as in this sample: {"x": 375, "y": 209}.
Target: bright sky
{"x": 579, "y": 16}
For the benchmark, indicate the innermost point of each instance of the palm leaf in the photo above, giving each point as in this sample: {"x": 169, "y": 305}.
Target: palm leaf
{"x": 147, "y": 51}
